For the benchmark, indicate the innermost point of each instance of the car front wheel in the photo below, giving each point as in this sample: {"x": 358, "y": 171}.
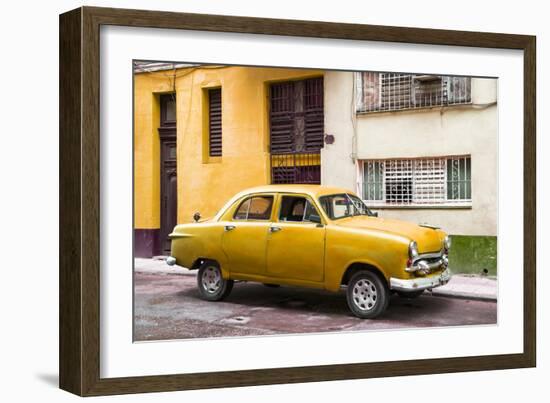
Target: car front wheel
{"x": 367, "y": 295}
{"x": 212, "y": 286}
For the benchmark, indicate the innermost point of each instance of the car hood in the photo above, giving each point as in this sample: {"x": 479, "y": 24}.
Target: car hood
{"x": 428, "y": 239}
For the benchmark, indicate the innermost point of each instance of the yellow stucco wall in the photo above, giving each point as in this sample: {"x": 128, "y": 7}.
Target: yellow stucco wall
{"x": 147, "y": 88}
{"x": 204, "y": 183}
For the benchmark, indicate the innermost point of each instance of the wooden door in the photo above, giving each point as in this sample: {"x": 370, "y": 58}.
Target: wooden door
{"x": 168, "y": 170}
{"x": 169, "y": 194}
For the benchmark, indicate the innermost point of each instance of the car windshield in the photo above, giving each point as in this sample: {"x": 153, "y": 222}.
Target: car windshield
{"x": 344, "y": 205}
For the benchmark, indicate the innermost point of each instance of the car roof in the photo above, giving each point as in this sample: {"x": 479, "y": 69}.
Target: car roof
{"x": 312, "y": 190}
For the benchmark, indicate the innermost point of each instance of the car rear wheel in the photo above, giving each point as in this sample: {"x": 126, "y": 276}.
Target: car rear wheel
{"x": 212, "y": 286}
{"x": 367, "y": 295}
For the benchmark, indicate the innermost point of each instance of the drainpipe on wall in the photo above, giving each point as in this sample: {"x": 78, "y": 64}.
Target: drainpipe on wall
{"x": 353, "y": 116}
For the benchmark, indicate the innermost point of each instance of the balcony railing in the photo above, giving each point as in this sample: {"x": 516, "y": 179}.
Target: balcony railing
{"x": 385, "y": 92}
{"x": 296, "y": 167}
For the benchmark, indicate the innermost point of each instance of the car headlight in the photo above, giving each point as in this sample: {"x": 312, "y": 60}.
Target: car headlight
{"x": 447, "y": 242}
{"x": 413, "y": 250}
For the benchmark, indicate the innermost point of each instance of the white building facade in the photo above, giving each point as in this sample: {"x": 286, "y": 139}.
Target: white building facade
{"x": 421, "y": 148}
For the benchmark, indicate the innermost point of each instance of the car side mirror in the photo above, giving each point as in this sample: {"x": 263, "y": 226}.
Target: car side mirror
{"x": 315, "y": 218}
{"x": 197, "y": 216}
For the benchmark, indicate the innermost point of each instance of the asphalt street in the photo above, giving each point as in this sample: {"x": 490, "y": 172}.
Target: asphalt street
{"x": 168, "y": 306}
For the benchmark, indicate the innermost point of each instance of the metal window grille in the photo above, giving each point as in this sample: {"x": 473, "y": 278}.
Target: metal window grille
{"x": 417, "y": 182}
{"x": 296, "y": 168}
{"x": 384, "y": 92}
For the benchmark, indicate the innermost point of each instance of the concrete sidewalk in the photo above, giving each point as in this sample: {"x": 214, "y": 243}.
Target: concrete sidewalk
{"x": 461, "y": 285}
{"x": 157, "y": 265}
{"x": 469, "y": 286}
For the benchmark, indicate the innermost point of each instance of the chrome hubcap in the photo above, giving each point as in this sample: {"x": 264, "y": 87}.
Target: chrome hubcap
{"x": 211, "y": 280}
{"x": 364, "y": 295}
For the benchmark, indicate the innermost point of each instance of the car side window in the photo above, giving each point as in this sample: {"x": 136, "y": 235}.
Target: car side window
{"x": 255, "y": 208}
{"x": 297, "y": 209}
{"x": 242, "y": 211}
{"x": 310, "y": 212}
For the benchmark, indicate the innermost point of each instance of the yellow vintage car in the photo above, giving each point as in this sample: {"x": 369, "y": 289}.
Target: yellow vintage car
{"x": 312, "y": 236}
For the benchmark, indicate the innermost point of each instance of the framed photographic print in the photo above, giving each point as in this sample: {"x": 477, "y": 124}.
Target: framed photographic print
{"x": 249, "y": 201}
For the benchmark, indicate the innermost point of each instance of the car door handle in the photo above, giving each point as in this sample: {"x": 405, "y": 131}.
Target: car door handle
{"x": 229, "y": 227}
{"x": 275, "y": 229}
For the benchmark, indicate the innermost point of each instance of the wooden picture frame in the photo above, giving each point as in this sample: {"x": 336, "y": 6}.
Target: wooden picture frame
{"x": 79, "y": 200}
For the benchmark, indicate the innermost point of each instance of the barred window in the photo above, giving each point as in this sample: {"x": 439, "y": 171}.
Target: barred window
{"x": 417, "y": 182}
{"x": 381, "y": 92}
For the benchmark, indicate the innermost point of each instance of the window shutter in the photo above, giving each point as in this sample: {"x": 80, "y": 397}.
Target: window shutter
{"x": 368, "y": 91}
{"x": 460, "y": 90}
{"x": 282, "y": 117}
{"x": 289, "y": 102}
{"x": 314, "y": 116}
{"x": 215, "y": 122}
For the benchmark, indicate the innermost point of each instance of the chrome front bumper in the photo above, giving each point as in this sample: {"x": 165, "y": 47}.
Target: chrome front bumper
{"x": 420, "y": 283}
{"x": 429, "y": 262}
